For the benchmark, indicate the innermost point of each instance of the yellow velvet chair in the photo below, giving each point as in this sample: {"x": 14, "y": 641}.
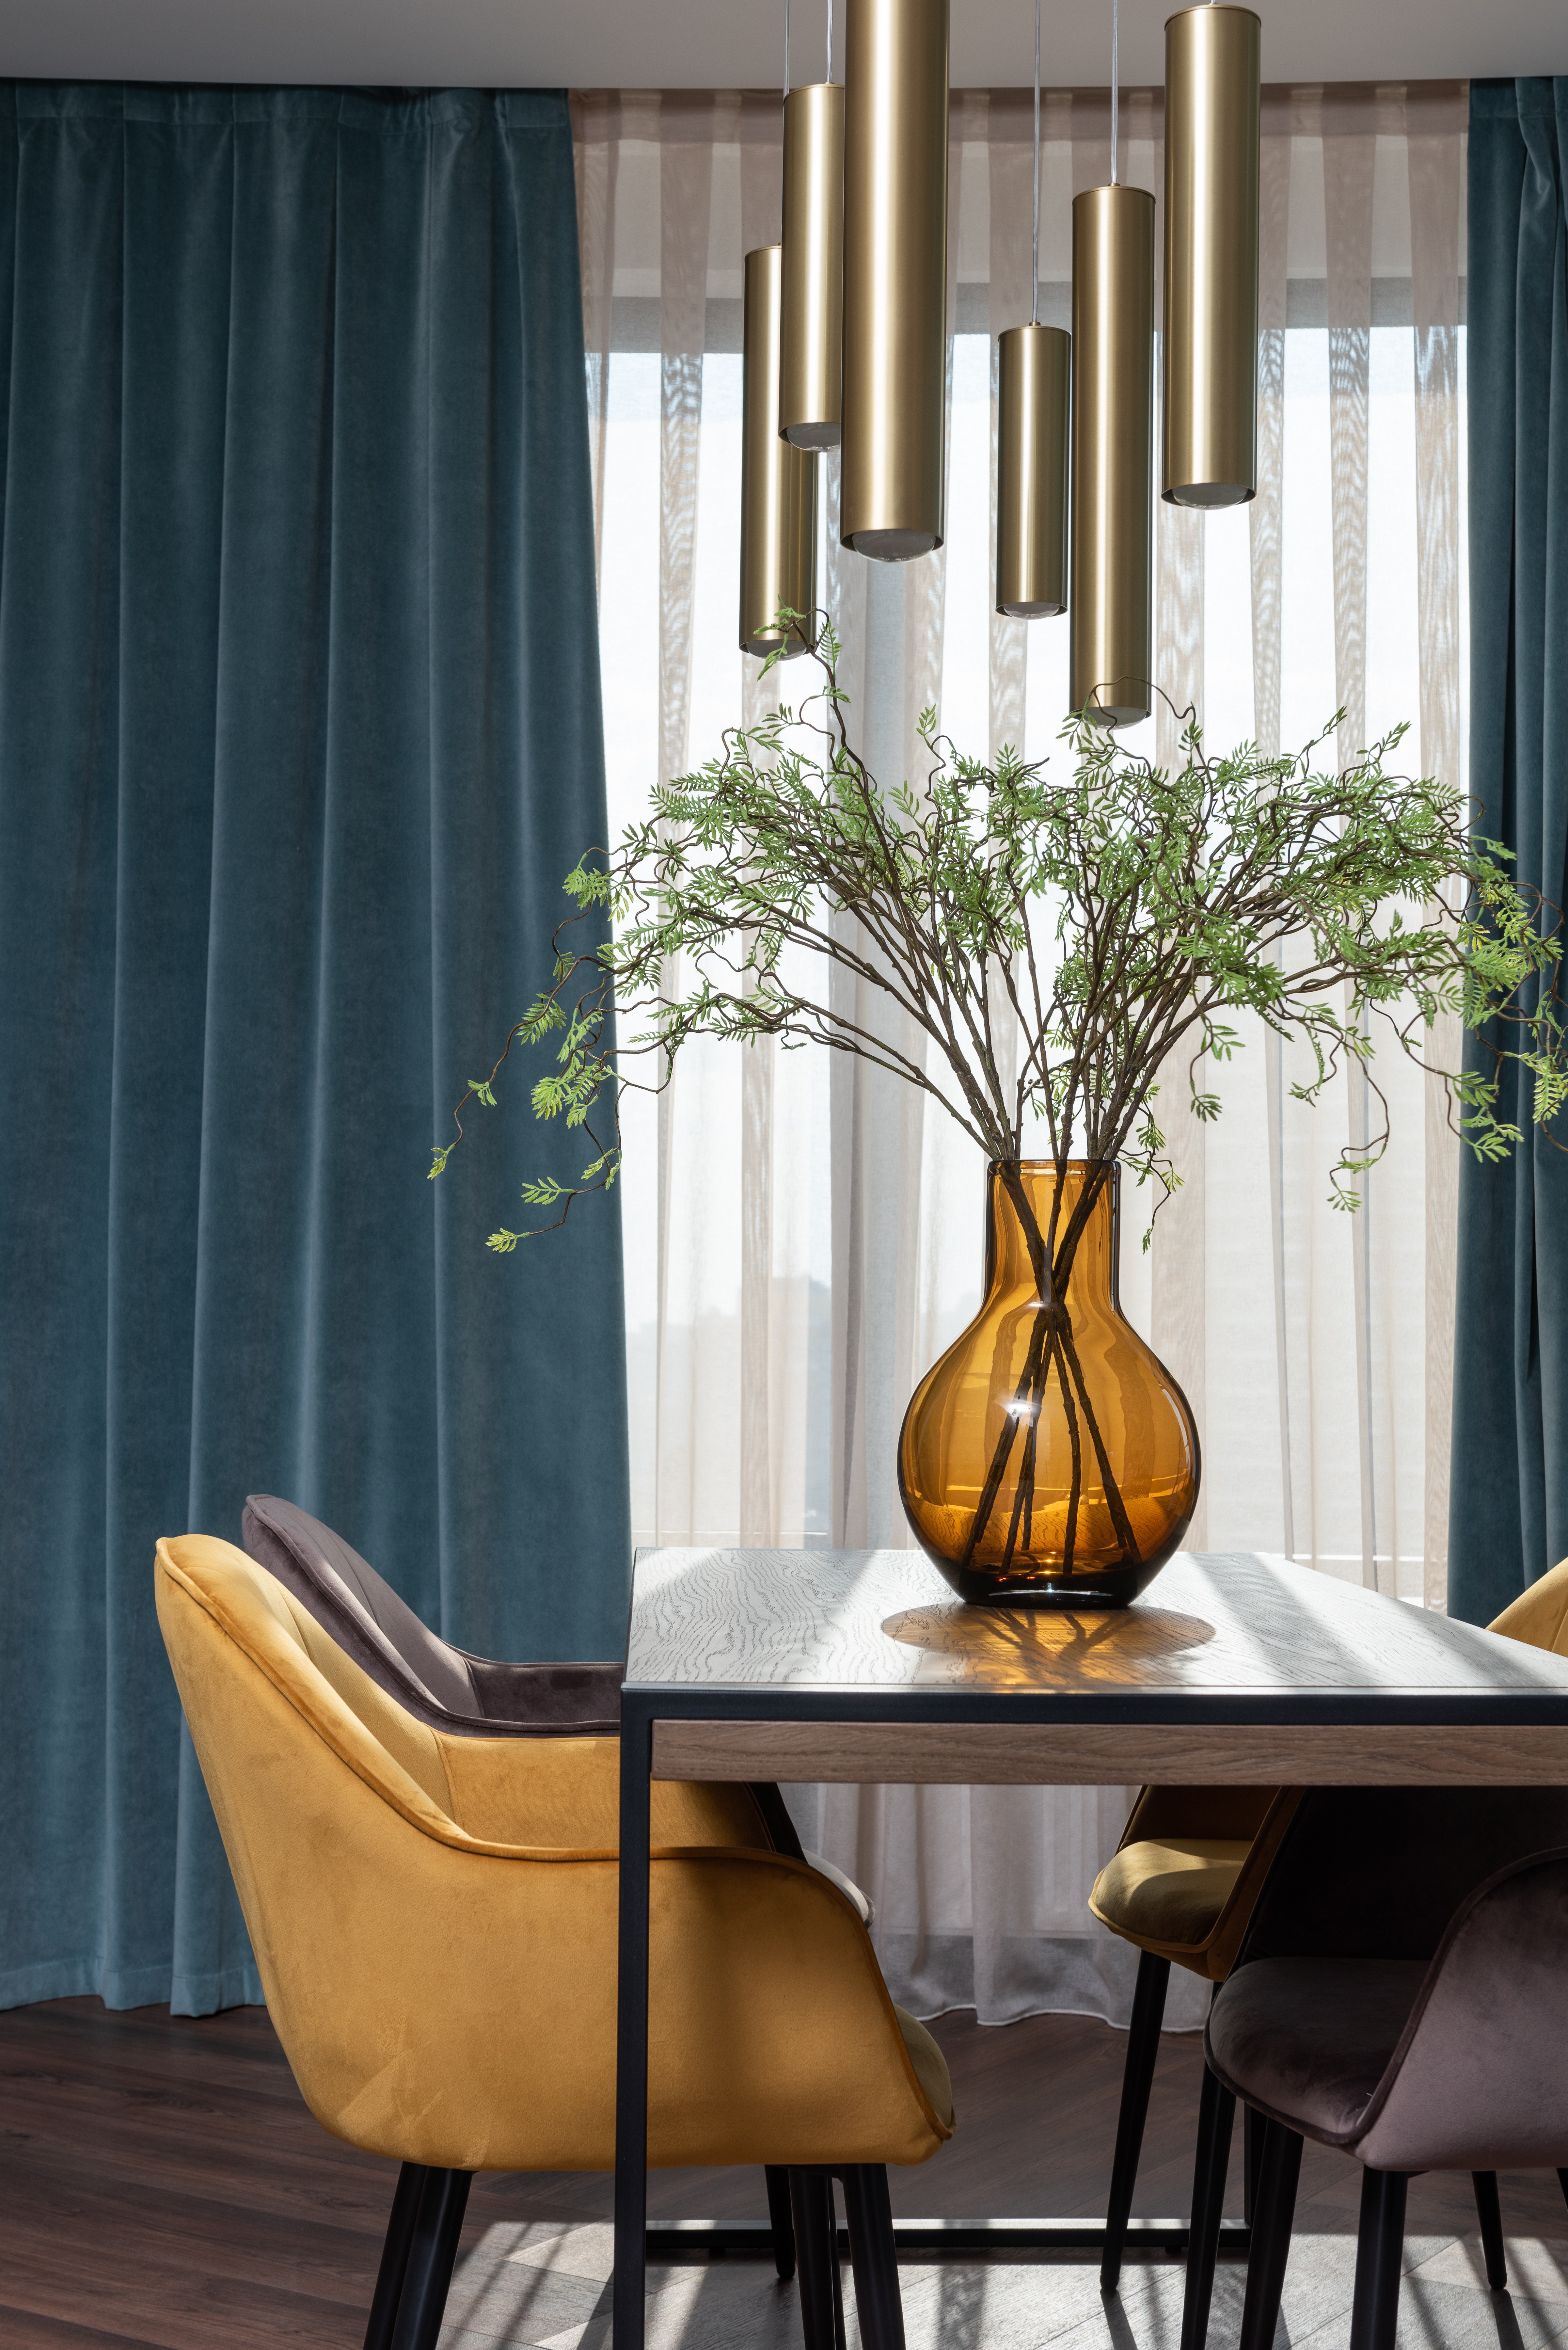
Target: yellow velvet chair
{"x": 569, "y": 1713}
{"x": 1180, "y": 1887}
{"x": 1539, "y": 1616}
{"x": 440, "y": 1967}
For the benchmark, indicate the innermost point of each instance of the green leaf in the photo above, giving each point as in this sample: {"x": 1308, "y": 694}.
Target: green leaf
{"x": 1122, "y": 921}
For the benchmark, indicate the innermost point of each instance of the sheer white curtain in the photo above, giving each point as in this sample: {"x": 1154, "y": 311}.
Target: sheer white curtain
{"x": 802, "y": 1236}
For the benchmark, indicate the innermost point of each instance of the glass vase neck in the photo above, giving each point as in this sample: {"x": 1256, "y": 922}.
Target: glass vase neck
{"x": 1030, "y": 1190}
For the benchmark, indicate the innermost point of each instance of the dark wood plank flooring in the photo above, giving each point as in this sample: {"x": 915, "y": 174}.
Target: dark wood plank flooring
{"x": 162, "y": 2183}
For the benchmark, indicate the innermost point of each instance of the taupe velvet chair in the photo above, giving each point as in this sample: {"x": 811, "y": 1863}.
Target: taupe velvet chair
{"x": 1400, "y": 1994}
{"x": 577, "y": 1707}
{"x": 440, "y": 1685}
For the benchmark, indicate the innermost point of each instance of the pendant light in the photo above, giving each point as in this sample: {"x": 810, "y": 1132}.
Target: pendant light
{"x": 811, "y": 347}
{"x": 778, "y": 483}
{"x": 1212, "y": 123}
{"x": 1033, "y": 368}
{"x": 1113, "y": 431}
{"x": 891, "y": 495}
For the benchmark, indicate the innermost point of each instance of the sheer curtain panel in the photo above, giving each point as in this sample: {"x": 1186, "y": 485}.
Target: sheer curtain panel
{"x": 299, "y": 729}
{"x": 802, "y": 1239}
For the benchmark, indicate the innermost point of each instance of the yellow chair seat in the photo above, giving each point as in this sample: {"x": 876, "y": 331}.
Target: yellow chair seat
{"x": 1169, "y": 1896}
{"x": 1182, "y": 1882}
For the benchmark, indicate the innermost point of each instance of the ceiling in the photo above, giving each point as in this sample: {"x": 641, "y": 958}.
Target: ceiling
{"x": 728, "y": 44}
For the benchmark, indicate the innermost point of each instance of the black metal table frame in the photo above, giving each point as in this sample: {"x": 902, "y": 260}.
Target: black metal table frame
{"x": 642, "y": 1706}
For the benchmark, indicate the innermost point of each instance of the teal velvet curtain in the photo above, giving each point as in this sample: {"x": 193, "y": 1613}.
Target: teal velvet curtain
{"x": 299, "y": 732}
{"x": 1510, "y": 1496}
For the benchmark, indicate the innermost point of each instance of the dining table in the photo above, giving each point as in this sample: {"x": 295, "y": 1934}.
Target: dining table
{"x": 862, "y": 1666}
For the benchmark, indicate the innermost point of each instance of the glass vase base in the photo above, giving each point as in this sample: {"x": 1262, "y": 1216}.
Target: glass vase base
{"x": 1115, "y": 1586}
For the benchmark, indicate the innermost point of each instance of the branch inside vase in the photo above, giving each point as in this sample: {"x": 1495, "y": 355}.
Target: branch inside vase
{"x": 1052, "y": 1346}
{"x": 1051, "y": 1343}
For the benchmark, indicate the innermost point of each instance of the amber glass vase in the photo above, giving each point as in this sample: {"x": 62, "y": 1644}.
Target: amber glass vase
{"x": 1049, "y": 1460}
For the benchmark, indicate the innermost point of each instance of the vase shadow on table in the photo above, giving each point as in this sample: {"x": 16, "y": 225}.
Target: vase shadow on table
{"x": 1022, "y": 1646}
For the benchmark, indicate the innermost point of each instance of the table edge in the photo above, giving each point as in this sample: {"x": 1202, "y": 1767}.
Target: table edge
{"x": 860, "y": 1751}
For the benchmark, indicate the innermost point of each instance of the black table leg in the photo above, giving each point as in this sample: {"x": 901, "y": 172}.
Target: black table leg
{"x": 631, "y": 2030}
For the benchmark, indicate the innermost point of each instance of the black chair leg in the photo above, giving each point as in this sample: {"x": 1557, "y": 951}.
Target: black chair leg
{"x": 1216, "y": 2115}
{"x": 874, "y": 2256}
{"x": 1379, "y": 2254}
{"x": 1279, "y": 2170}
{"x": 779, "y": 2221}
{"x": 395, "y": 2256}
{"x": 1137, "y": 2077}
{"x": 817, "y": 2251}
{"x": 432, "y": 2255}
{"x": 1252, "y": 2127}
{"x": 1489, "y": 2211}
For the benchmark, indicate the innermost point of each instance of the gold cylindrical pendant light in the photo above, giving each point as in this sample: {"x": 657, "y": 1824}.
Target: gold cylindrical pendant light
{"x": 1212, "y": 117}
{"x": 1113, "y": 454}
{"x": 778, "y": 483}
{"x": 1033, "y": 368}
{"x": 810, "y": 349}
{"x": 891, "y": 494}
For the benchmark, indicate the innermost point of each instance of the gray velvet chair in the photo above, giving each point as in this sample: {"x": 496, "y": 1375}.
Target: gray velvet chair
{"x": 1412, "y": 2040}
{"x": 462, "y": 1695}
{"x": 439, "y": 1684}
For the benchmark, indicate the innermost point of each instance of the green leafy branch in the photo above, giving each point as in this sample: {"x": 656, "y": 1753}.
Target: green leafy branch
{"x": 1114, "y": 916}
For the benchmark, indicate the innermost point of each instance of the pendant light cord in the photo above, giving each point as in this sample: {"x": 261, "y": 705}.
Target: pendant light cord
{"x": 786, "y": 48}
{"x": 1115, "y": 11}
{"x": 829, "y": 73}
{"x": 1035, "y": 274}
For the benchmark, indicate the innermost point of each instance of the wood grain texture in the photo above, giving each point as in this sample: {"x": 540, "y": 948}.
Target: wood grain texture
{"x": 165, "y": 2189}
{"x": 1114, "y": 1754}
{"x": 819, "y": 1623}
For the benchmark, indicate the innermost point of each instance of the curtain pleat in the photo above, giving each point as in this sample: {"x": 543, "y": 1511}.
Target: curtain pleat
{"x": 1265, "y": 549}
{"x": 299, "y": 734}
{"x": 1348, "y": 169}
{"x": 1179, "y": 1252}
{"x": 1434, "y": 180}
{"x": 1509, "y": 1501}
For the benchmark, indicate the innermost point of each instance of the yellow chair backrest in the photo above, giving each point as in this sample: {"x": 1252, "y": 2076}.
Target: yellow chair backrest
{"x": 445, "y": 1990}
{"x": 1539, "y": 1615}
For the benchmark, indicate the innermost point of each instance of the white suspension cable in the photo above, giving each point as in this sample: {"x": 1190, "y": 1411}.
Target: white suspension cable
{"x": 1114, "y": 32}
{"x": 1034, "y": 273}
{"x": 786, "y": 48}
{"x": 829, "y": 75}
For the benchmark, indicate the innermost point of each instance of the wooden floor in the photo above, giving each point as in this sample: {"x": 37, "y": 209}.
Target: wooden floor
{"x": 161, "y": 2181}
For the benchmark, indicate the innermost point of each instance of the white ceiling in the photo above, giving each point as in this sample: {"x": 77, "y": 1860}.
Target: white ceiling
{"x": 728, "y": 44}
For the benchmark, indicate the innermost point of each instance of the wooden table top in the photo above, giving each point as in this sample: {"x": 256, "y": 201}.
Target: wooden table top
{"x": 862, "y": 1665}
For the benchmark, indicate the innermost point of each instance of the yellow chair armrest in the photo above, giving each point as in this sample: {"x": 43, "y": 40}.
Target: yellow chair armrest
{"x": 566, "y": 1791}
